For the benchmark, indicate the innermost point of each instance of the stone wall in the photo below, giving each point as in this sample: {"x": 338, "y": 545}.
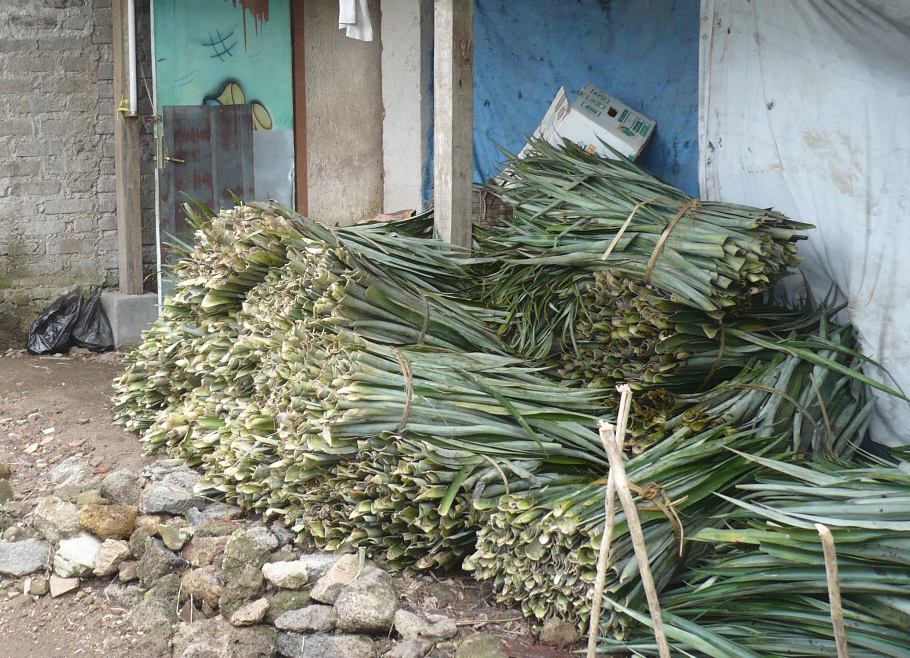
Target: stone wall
{"x": 58, "y": 225}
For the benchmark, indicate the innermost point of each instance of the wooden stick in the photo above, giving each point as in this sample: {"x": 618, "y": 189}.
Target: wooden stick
{"x": 837, "y": 610}
{"x": 607, "y": 436}
{"x": 617, "y": 469}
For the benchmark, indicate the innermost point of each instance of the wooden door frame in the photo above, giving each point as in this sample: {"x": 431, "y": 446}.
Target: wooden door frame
{"x": 299, "y": 82}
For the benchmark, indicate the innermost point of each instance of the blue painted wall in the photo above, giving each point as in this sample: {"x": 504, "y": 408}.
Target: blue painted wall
{"x": 644, "y": 52}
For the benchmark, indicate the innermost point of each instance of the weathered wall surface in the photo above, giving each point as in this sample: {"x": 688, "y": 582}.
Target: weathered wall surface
{"x": 344, "y": 118}
{"x": 644, "y": 52}
{"x": 58, "y": 224}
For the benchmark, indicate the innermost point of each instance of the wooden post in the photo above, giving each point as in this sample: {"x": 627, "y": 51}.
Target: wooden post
{"x": 453, "y": 122}
{"x": 126, "y": 162}
{"x": 298, "y": 27}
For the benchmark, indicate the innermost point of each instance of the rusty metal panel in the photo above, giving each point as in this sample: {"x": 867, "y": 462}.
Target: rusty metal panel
{"x": 208, "y": 155}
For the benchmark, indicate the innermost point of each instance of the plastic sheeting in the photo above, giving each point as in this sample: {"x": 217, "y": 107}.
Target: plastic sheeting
{"x": 804, "y": 106}
{"x": 643, "y": 52}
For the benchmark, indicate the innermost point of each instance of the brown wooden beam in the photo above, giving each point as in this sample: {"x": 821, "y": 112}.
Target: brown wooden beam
{"x": 453, "y": 147}
{"x": 126, "y": 162}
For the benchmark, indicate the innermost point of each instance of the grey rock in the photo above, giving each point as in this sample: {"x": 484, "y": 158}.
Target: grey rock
{"x": 158, "y": 606}
{"x": 290, "y": 645}
{"x": 122, "y": 487}
{"x": 215, "y": 528}
{"x": 19, "y": 533}
{"x": 216, "y": 638}
{"x": 264, "y": 537}
{"x": 173, "y": 494}
{"x": 129, "y": 571}
{"x": 112, "y": 554}
{"x": 245, "y": 548}
{"x": 411, "y": 626}
{"x": 214, "y": 512}
{"x": 284, "y": 555}
{"x": 202, "y": 551}
{"x": 125, "y": 596}
{"x": 410, "y": 649}
{"x": 7, "y": 493}
{"x": 282, "y": 533}
{"x": 204, "y": 585}
{"x": 60, "y": 586}
{"x": 251, "y": 613}
{"x": 336, "y": 646}
{"x": 137, "y": 541}
{"x": 91, "y": 497}
{"x": 56, "y": 519}
{"x": 157, "y": 561}
{"x": 368, "y": 604}
{"x": 23, "y": 557}
{"x": 481, "y": 645}
{"x": 318, "y": 564}
{"x": 559, "y": 633}
{"x": 155, "y": 642}
{"x": 285, "y": 600}
{"x": 288, "y": 575}
{"x": 174, "y": 536}
{"x": 70, "y": 471}
{"x": 37, "y": 586}
{"x": 311, "y": 619}
{"x": 242, "y": 585}
{"x": 336, "y": 578}
{"x": 76, "y": 556}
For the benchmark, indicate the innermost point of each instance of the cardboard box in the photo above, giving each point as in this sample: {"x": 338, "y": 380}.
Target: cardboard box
{"x": 595, "y": 116}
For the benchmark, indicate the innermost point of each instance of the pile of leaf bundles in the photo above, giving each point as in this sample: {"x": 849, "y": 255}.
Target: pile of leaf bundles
{"x": 760, "y": 590}
{"x": 540, "y": 548}
{"x": 358, "y": 347}
{"x": 617, "y": 277}
{"x": 233, "y": 251}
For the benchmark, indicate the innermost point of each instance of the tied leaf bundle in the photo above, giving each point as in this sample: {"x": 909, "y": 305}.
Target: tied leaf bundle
{"x": 622, "y": 277}
{"x": 760, "y": 587}
{"x": 540, "y": 548}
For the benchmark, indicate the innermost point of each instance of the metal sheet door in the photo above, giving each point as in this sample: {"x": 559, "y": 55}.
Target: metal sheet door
{"x": 208, "y": 156}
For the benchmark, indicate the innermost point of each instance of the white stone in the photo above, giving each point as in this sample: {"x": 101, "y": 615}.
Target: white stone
{"x": 112, "y": 554}
{"x": 251, "y": 613}
{"x": 287, "y": 575}
{"x": 76, "y": 556}
{"x": 60, "y": 586}
{"x": 339, "y": 575}
{"x": 310, "y": 619}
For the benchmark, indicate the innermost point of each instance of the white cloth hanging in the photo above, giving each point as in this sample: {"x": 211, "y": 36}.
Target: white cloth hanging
{"x": 803, "y": 106}
{"x": 354, "y": 19}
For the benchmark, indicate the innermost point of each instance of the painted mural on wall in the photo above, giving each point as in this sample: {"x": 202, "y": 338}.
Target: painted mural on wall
{"x": 226, "y": 52}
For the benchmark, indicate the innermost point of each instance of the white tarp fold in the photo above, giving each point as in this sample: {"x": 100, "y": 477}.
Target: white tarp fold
{"x": 805, "y": 106}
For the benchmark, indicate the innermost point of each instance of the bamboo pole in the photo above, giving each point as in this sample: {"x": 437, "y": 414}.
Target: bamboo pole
{"x": 617, "y": 469}
{"x": 837, "y": 610}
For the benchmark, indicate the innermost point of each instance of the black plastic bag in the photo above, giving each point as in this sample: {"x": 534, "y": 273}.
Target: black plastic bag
{"x": 53, "y": 330}
{"x": 92, "y": 329}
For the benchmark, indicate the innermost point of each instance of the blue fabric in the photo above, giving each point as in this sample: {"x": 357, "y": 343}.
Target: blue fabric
{"x": 644, "y": 52}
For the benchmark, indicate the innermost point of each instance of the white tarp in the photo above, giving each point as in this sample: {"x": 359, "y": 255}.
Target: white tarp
{"x": 805, "y": 106}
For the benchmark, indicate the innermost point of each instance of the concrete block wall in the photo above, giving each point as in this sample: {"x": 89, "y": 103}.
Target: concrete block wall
{"x": 58, "y": 225}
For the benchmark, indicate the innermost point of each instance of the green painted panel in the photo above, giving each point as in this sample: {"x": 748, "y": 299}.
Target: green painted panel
{"x": 215, "y": 51}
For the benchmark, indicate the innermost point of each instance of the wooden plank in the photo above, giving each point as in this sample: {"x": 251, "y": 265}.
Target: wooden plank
{"x": 300, "y": 145}
{"x": 453, "y": 147}
{"x": 126, "y": 163}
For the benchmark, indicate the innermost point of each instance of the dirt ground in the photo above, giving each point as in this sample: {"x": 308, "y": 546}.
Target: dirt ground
{"x": 70, "y": 396}
{"x": 54, "y": 408}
